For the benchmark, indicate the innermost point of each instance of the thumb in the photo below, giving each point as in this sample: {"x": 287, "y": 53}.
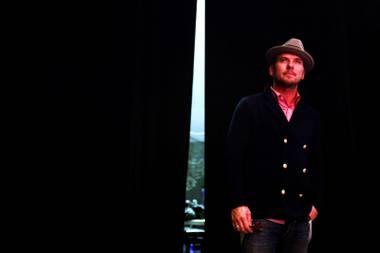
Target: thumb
{"x": 248, "y": 215}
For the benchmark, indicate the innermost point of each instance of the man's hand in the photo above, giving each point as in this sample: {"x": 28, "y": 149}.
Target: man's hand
{"x": 241, "y": 219}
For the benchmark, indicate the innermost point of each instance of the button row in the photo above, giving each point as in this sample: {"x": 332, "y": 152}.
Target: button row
{"x": 283, "y": 192}
{"x": 304, "y": 146}
{"x": 285, "y": 166}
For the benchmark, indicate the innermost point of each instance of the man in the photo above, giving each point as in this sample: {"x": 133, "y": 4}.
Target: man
{"x": 272, "y": 157}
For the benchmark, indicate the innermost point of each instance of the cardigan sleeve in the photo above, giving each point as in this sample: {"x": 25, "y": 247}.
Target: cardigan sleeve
{"x": 318, "y": 168}
{"x": 236, "y": 143}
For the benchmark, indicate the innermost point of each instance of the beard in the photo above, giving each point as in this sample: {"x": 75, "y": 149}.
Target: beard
{"x": 288, "y": 84}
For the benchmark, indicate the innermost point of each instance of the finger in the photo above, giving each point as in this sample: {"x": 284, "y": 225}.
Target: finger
{"x": 248, "y": 217}
{"x": 244, "y": 225}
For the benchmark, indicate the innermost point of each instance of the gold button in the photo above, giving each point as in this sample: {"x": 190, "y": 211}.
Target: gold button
{"x": 304, "y": 170}
{"x": 285, "y": 140}
{"x": 300, "y": 195}
{"x": 285, "y": 166}
{"x": 283, "y": 191}
{"x": 304, "y": 146}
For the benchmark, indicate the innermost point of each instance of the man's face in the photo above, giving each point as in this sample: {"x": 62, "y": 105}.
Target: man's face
{"x": 287, "y": 69}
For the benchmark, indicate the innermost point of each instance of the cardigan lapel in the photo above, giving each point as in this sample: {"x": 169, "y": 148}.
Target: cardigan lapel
{"x": 298, "y": 110}
{"x": 274, "y": 107}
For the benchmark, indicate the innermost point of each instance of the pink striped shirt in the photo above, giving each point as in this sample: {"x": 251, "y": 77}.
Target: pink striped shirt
{"x": 288, "y": 109}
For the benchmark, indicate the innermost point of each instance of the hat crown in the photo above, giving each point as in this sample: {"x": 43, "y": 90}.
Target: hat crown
{"x": 295, "y": 43}
{"x": 292, "y": 46}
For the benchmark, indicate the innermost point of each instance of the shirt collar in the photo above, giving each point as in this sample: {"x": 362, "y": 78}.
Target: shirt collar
{"x": 281, "y": 98}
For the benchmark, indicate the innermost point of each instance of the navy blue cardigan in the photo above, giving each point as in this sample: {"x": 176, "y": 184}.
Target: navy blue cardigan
{"x": 272, "y": 164}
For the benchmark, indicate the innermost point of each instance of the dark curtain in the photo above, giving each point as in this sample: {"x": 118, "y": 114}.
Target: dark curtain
{"x": 341, "y": 38}
{"x": 114, "y": 126}
{"x": 161, "y": 120}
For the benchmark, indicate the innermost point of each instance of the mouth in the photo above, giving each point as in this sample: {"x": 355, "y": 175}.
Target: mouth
{"x": 290, "y": 74}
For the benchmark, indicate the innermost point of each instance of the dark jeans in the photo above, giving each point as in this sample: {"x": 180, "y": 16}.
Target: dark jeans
{"x": 292, "y": 237}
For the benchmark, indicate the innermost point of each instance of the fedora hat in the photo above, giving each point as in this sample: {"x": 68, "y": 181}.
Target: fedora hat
{"x": 292, "y": 46}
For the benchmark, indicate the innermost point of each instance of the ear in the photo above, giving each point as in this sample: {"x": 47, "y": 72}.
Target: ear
{"x": 271, "y": 70}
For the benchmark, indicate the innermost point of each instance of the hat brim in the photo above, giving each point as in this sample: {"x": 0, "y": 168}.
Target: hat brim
{"x": 307, "y": 59}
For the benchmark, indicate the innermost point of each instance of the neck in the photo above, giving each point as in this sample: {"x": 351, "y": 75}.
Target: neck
{"x": 289, "y": 92}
